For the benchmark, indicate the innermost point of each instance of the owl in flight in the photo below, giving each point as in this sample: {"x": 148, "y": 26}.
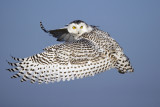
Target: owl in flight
{"x": 86, "y": 51}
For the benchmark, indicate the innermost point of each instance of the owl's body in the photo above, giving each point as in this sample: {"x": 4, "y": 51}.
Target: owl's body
{"x": 84, "y": 53}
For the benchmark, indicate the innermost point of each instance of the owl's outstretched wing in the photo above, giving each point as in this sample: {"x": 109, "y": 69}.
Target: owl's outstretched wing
{"x": 61, "y": 62}
{"x": 61, "y": 34}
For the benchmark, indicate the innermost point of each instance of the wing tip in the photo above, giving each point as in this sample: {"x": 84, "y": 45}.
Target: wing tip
{"x": 42, "y": 27}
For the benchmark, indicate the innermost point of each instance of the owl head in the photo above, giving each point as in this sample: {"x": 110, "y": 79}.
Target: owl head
{"x": 79, "y": 27}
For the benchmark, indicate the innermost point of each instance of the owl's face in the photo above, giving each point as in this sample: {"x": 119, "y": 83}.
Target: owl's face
{"x": 78, "y": 28}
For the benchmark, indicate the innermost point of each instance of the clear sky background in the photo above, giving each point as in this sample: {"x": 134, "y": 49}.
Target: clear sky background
{"x": 134, "y": 24}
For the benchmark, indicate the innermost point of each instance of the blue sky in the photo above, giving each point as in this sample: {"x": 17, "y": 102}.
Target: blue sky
{"x": 134, "y": 24}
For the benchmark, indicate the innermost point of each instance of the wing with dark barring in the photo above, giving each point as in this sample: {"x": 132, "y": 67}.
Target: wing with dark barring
{"x": 61, "y": 34}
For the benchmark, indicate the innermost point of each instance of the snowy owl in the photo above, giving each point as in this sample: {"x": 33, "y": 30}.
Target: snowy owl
{"x": 86, "y": 51}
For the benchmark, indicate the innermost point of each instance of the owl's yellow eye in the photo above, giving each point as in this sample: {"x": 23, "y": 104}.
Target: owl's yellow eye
{"x": 74, "y": 27}
{"x": 81, "y": 27}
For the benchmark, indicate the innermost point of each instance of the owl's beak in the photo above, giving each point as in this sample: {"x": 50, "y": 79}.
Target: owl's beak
{"x": 78, "y": 32}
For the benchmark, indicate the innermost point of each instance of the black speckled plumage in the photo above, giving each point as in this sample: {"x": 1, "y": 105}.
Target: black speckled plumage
{"x": 90, "y": 53}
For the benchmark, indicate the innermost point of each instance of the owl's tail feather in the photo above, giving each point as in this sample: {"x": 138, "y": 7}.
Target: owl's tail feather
{"x": 123, "y": 65}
